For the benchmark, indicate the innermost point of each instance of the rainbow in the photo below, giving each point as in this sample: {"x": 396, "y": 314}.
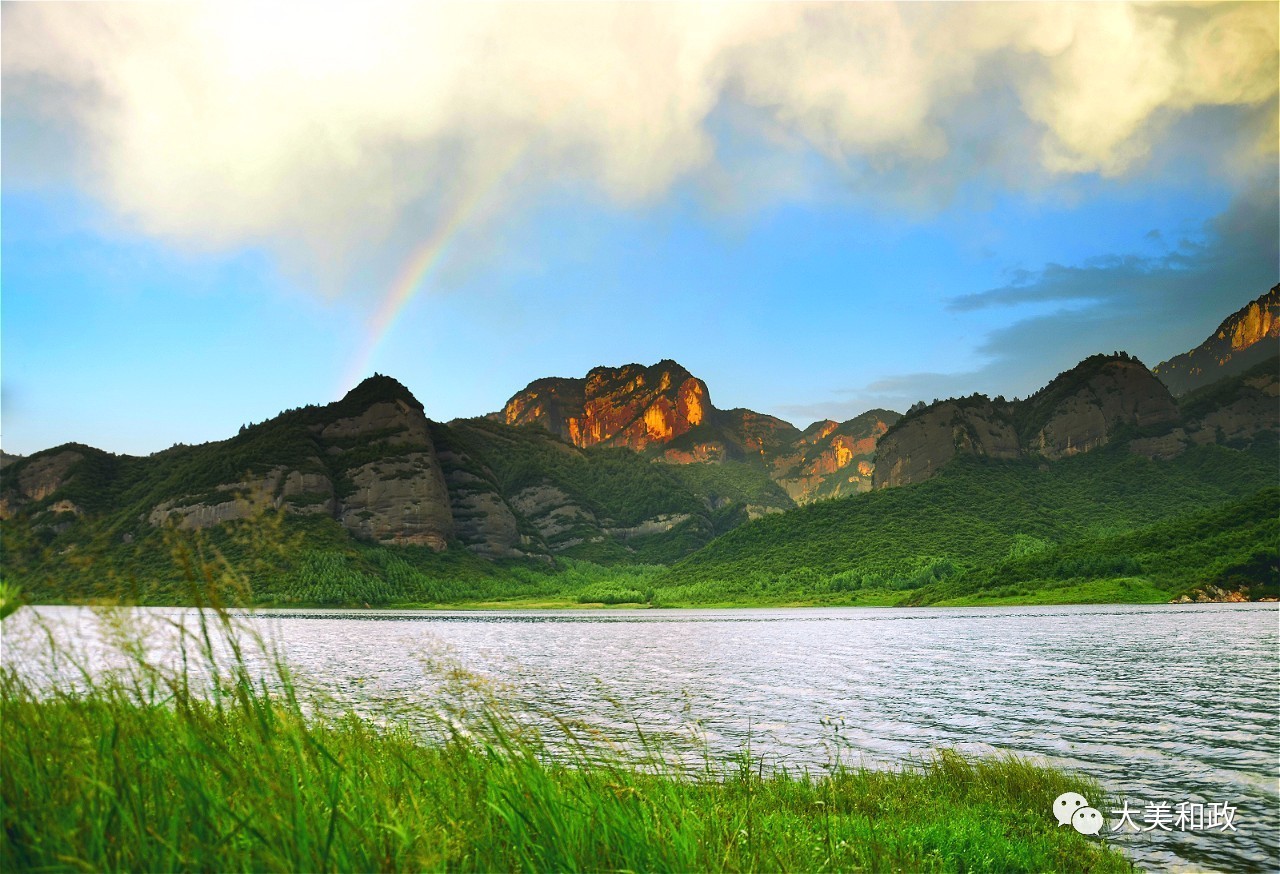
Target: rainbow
{"x": 424, "y": 259}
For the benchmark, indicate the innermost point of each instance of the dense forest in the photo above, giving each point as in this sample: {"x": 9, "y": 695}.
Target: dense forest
{"x": 1105, "y": 526}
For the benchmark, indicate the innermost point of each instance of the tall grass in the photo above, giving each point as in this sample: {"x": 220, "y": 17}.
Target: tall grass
{"x": 216, "y": 764}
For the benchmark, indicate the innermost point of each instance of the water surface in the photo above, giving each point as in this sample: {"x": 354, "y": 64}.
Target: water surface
{"x": 1167, "y": 703}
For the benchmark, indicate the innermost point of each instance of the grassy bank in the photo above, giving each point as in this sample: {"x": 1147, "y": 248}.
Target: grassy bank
{"x": 146, "y": 773}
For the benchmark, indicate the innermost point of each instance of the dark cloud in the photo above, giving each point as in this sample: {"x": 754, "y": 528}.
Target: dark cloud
{"x": 1155, "y": 307}
{"x": 1152, "y": 307}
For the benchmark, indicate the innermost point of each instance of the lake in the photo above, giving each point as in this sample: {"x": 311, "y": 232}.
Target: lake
{"x": 1168, "y": 703}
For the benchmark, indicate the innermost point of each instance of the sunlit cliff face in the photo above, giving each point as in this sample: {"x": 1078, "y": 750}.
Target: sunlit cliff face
{"x": 822, "y": 433}
{"x": 832, "y": 460}
{"x": 711, "y": 452}
{"x": 1245, "y": 338}
{"x": 844, "y": 453}
{"x": 665, "y": 420}
{"x": 629, "y": 406}
{"x": 690, "y": 401}
{"x": 1256, "y": 324}
{"x": 641, "y": 408}
{"x": 657, "y": 425}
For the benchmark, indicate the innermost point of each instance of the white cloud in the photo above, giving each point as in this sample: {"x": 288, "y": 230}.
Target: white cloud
{"x": 315, "y": 129}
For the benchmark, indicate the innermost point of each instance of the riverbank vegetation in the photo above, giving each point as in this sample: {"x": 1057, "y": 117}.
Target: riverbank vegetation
{"x": 231, "y": 768}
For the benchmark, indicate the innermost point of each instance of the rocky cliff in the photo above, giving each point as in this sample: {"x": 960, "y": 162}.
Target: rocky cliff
{"x": 1083, "y": 408}
{"x": 1080, "y": 410}
{"x": 1229, "y": 386}
{"x": 925, "y": 440}
{"x": 666, "y": 413}
{"x": 631, "y": 406}
{"x": 830, "y": 459}
{"x": 34, "y": 479}
{"x": 368, "y": 461}
{"x": 1245, "y": 338}
{"x": 1234, "y": 411}
{"x": 661, "y": 409}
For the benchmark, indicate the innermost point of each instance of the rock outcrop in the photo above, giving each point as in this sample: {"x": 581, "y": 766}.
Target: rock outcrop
{"x": 1083, "y": 408}
{"x": 524, "y": 492}
{"x": 631, "y": 406}
{"x": 1079, "y": 411}
{"x": 401, "y": 500}
{"x": 831, "y": 459}
{"x": 922, "y": 442}
{"x": 645, "y": 408}
{"x": 666, "y": 412}
{"x": 1236, "y": 410}
{"x": 374, "y": 469}
{"x": 280, "y": 488}
{"x": 755, "y": 435}
{"x": 484, "y": 521}
{"x": 1245, "y": 338}
{"x": 41, "y": 476}
{"x": 399, "y": 497}
{"x": 1210, "y": 594}
{"x": 1229, "y": 389}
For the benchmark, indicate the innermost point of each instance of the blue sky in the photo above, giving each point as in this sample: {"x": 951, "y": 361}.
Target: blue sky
{"x": 185, "y": 257}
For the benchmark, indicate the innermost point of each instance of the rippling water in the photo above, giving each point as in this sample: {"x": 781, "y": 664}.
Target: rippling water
{"x": 1159, "y": 703}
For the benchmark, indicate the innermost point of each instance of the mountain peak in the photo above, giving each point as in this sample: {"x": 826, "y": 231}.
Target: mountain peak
{"x": 631, "y": 405}
{"x": 378, "y": 388}
{"x": 1080, "y": 410}
{"x": 1088, "y": 369}
{"x": 1244, "y": 339}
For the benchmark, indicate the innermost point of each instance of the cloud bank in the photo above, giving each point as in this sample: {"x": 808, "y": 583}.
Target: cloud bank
{"x": 315, "y": 130}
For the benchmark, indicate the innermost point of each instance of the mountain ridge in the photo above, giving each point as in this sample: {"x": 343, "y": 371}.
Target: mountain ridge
{"x": 1238, "y": 343}
{"x": 667, "y": 473}
{"x": 1080, "y": 410}
{"x": 664, "y": 413}
{"x": 373, "y": 468}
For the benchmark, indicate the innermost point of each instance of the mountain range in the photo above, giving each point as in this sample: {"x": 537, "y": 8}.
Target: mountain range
{"x": 626, "y": 465}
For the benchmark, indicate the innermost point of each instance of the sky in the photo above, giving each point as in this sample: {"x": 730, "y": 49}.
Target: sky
{"x": 211, "y": 213}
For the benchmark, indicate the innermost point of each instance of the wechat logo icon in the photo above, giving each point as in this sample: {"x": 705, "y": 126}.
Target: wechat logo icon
{"x": 1073, "y": 808}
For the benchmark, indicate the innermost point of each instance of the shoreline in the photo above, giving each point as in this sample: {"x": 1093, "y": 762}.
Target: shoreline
{"x": 547, "y": 606}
